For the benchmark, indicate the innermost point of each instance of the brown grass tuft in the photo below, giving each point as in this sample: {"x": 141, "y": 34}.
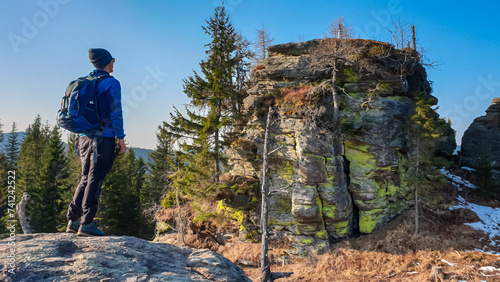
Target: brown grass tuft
{"x": 296, "y": 95}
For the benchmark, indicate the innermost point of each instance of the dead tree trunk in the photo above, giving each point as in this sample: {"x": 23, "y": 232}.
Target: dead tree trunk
{"x": 416, "y": 190}
{"x": 21, "y": 212}
{"x": 413, "y": 38}
{"x": 265, "y": 270}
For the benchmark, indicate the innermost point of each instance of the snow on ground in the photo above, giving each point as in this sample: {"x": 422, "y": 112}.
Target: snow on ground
{"x": 489, "y": 219}
{"x": 468, "y": 168}
{"x": 455, "y": 180}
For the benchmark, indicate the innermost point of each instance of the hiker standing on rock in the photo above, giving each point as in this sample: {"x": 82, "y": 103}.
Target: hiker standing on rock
{"x": 97, "y": 151}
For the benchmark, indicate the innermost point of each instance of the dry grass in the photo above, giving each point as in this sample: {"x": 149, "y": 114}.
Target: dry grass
{"x": 296, "y": 95}
{"x": 354, "y": 265}
{"x": 393, "y": 253}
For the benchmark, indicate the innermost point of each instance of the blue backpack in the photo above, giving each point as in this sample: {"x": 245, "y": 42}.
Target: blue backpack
{"x": 79, "y": 110}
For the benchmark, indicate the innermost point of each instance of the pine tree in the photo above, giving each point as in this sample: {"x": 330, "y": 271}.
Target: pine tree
{"x": 46, "y": 211}
{"x": 30, "y": 159}
{"x": 147, "y": 200}
{"x": 160, "y": 168}
{"x": 12, "y": 148}
{"x": 483, "y": 178}
{"x": 215, "y": 104}
{"x": 426, "y": 128}
{"x": 119, "y": 207}
{"x": 3, "y": 193}
{"x": 74, "y": 172}
{"x": 1, "y": 133}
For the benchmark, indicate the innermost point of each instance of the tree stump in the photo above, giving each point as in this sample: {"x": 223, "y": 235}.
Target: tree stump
{"x": 21, "y": 209}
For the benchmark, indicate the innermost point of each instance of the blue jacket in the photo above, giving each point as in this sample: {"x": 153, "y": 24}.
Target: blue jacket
{"x": 110, "y": 105}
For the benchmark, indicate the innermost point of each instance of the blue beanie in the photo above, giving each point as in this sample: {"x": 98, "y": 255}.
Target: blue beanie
{"x": 99, "y": 57}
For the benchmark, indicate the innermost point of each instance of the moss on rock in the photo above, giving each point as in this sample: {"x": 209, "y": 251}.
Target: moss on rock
{"x": 368, "y": 220}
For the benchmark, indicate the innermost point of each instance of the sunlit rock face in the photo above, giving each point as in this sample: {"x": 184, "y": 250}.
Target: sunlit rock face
{"x": 481, "y": 141}
{"x": 338, "y": 170}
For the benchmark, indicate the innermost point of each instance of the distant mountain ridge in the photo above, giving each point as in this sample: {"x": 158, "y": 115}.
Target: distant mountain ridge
{"x": 139, "y": 152}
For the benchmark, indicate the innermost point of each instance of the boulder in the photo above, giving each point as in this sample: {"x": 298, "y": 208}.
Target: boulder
{"x": 482, "y": 140}
{"x": 67, "y": 257}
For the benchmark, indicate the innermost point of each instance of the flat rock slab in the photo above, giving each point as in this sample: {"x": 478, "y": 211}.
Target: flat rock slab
{"x": 67, "y": 257}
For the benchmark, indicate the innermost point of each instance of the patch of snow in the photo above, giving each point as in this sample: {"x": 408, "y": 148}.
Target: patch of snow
{"x": 484, "y": 251}
{"x": 455, "y": 180}
{"x": 489, "y": 269}
{"x": 470, "y": 169}
{"x": 449, "y": 263}
{"x": 489, "y": 218}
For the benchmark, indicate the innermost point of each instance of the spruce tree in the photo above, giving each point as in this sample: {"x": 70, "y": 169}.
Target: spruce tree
{"x": 425, "y": 129}
{"x": 1, "y": 133}
{"x": 215, "y": 105}
{"x": 160, "y": 168}
{"x": 119, "y": 208}
{"x": 46, "y": 210}
{"x": 12, "y": 147}
{"x": 483, "y": 178}
{"x": 30, "y": 160}
{"x": 74, "y": 173}
{"x": 3, "y": 193}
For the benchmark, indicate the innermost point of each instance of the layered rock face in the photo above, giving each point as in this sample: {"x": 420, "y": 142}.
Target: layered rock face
{"x": 67, "y": 257}
{"x": 481, "y": 141}
{"x": 342, "y": 150}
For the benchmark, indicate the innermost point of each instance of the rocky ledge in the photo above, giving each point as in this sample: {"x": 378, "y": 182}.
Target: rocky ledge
{"x": 482, "y": 140}
{"x": 66, "y": 257}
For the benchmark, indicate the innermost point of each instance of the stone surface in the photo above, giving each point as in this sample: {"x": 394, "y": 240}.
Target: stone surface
{"x": 330, "y": 182}
{"x": 67, "y": 257}
{"x": 482, "y": 139}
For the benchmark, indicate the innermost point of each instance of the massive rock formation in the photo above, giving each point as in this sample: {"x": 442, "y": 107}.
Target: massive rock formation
{"x": 481, "y": 141}
{"x": 341, "y": 167}
{"x": 66, "y": 257}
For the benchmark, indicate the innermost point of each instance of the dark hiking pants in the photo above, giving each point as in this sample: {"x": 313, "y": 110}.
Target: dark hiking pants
{"x": 88, "y": 191}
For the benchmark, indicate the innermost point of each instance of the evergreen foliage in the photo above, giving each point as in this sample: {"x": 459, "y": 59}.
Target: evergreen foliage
{"x": 30, "y": 162}
{"x": 120, "y": 204}
{"x": 212, "y": 117}
{"x": 483, "y": 177}
{"x": 3, "y": 192}
{"x": 12, "y": 148}
{"x": 425, "y": 129}
{"x": 46, "y": 210}
{"x": 162, "y": 162}
{"x": 1, "y": 132}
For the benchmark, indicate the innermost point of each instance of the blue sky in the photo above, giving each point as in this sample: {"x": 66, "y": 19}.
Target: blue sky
{"x": 44, "y": 45}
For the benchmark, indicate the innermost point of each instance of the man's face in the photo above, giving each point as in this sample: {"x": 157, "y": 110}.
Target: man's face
{"x": 111, "y": 65}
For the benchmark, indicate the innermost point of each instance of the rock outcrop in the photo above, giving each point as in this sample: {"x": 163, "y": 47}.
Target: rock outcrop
{"x": 66, "y": 257}
{"x": 341, "y": 167}
{"x": 481, "y": 141}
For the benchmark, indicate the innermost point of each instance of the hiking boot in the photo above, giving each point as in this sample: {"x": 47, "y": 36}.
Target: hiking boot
{"x": 73, "y": 226}
{"x": 89, "y": 230}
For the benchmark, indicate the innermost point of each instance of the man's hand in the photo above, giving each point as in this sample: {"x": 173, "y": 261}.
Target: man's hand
{"x": 122, "y": 146}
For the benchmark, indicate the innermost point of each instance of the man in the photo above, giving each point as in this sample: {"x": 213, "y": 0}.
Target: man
{"x": 83, "y": 208}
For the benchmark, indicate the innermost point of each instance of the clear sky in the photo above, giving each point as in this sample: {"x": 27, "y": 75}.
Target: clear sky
{"x": 44, "y": 45}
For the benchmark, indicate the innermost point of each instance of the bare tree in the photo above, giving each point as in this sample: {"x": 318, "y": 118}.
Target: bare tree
{"x": 339, "y": 30}
{"x": 330, "y": 53}
{"x": 265, "y": 269}
{"x": 400, "y": 34}
{"x": 264, "y": 39}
